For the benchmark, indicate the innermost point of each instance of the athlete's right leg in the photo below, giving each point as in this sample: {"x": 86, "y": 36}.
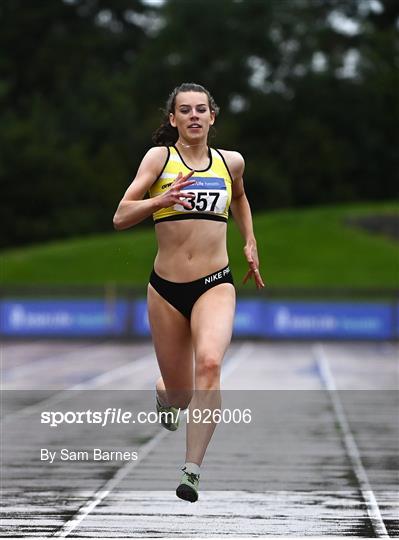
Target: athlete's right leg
{"x": 171, "y": 335}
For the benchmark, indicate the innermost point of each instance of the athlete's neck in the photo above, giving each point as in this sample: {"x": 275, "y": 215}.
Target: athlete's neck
{"x": 196, "y": 150}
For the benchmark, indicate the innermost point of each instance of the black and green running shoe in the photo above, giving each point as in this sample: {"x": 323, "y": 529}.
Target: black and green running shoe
{"x": 188, "y": 487}
{"x": 169, "y": 416}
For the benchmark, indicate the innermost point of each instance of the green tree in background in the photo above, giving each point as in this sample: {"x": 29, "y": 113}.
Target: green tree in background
{"x": 308, "y": 89}
{"x": 67, "y": 115}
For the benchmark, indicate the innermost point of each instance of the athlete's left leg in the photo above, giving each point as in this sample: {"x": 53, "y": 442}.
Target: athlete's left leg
{"x": 212, "y": 320}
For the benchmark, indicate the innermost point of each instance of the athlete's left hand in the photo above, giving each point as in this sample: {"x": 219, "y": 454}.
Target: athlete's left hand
{"x": 251, "y": 254}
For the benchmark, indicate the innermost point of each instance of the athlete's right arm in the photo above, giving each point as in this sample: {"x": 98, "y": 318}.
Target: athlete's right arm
{"x": 132, "y": 209}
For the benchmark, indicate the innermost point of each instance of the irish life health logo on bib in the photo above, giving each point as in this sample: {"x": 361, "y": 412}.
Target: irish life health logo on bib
{"x": 210, "y": 195}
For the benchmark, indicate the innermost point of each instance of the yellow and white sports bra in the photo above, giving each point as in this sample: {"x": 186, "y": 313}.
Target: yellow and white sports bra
{"x": 212, "y": 188}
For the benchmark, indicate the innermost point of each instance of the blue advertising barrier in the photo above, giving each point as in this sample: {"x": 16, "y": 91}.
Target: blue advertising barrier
{"x": 62, "y": 317}
{"x": 140, "y": 324}
{"x": 255, "y": 318}
{"x": 336, "y": 320}
{"x": 296, "y": 320}
{"x": 249, "y": 318}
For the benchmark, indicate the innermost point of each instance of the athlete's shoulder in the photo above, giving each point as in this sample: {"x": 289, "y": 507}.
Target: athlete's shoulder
{"x": 154, "y": 160}
{"x": 157, "y": 154}
{"x": 234, "y": 161}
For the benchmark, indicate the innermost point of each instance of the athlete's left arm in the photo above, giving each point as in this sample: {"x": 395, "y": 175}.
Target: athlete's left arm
{"x": 241, "y": 211}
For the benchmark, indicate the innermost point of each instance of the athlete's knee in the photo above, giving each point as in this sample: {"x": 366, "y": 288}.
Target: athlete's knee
{"x": 207, "y": 369}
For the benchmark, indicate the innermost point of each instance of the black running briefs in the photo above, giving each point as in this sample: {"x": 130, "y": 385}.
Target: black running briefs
{"x": 183, "y": 296}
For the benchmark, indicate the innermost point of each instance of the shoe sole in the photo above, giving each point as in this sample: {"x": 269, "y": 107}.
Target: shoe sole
{"x": 186, "y": 493}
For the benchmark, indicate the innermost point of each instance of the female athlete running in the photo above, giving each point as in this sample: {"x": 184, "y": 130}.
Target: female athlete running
{"x": 191, "y": 295}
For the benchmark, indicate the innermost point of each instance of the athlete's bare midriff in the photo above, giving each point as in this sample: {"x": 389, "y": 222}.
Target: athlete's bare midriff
{"x": 190, "y": 249}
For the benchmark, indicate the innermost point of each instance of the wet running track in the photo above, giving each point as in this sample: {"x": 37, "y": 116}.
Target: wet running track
{"x": 326, "y": 465}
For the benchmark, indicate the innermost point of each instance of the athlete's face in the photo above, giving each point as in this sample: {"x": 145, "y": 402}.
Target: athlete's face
{"x": 192, "y": 116}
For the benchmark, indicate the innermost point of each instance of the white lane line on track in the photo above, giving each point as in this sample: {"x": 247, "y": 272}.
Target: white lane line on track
{"x": 96, "y": 382}
{"x": 100, "y": 494}
{"x": 352, "y": 450}
{"x": 244, "y": 350}
{"x": 30, "y": 366}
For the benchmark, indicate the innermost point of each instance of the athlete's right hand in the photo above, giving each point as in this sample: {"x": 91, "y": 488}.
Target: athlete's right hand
{"x": 175, "y": 195}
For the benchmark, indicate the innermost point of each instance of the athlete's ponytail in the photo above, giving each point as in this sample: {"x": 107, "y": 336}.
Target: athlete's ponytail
{"x": 166, "y": 134}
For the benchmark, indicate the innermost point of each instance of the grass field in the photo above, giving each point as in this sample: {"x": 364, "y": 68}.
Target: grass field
{"x": 307, "y": 247}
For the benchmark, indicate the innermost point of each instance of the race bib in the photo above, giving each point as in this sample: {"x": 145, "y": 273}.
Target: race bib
{"x": 210, "y": 195}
